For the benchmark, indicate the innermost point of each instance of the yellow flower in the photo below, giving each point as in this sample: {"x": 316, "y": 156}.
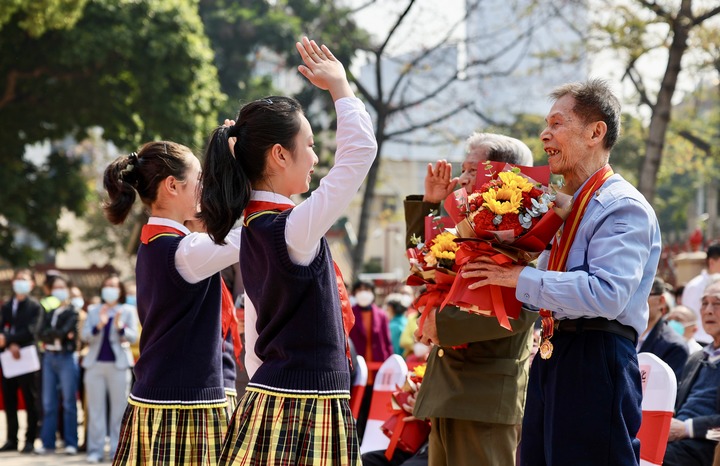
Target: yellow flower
{"x": 443, "y": 249}
{"x": 504, "y": 200}
{"x": 420, "y": 370}
{"x": 515, "y": 181}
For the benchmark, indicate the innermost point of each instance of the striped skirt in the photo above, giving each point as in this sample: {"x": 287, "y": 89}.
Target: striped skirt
{"x": 171, "y": 436}
{"x": 273, "y": 430}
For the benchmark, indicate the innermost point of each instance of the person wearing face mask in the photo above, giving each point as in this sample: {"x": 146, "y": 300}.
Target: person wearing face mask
{"x": 371, "y": 337}
{"x": 18, "y": 322}
{"x": 109, "y": 330}
{"x": 684, "y": 322}
{"x": 58, "y": 334}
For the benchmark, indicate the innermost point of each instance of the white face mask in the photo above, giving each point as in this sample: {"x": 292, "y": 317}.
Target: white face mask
{"x": 21, "y": 287}
{"x": 406, "y": 300}
{"x": 364, "y": 298}
{"x": 61, "y": 293}
{"x": 110, "y": 294}
{"x": 77, "y": 303}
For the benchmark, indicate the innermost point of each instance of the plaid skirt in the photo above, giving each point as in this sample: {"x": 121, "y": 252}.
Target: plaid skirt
{"x": 171, "y": 436}
{"x": 232, "y": 402}
{"x": 274, "y": 430}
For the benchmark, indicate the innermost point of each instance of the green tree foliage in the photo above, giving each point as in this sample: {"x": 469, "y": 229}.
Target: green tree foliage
{"x": 140, "y": 70}
{"x": 37, "y": 16}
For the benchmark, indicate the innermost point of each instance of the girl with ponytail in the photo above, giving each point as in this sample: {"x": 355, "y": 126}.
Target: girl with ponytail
{"x": 176, "y": 409}
{"x": 295, "y": 409}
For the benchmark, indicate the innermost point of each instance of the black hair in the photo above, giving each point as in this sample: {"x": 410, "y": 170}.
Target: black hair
{"x": 396, "y": 307}
{"x": 363, "y": 284}
{"x": 23, "y": 271}
{"x": 228, "y": 177}
{"x": 594, "y": 101}
{"x": 142, "y": 172}
{"x": 51, "y": 279}
{"x": 713, "y": 251}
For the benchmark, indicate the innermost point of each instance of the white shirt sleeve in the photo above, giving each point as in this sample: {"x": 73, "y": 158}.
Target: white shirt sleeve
{"x": 198, "y": 257}
{"x": 356, "y": 150}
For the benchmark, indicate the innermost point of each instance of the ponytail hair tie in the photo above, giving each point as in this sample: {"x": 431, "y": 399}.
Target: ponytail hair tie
{"x": 132, "y": 163}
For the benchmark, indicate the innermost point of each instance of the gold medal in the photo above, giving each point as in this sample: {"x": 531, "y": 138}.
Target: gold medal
{"x": 546, "y": 349}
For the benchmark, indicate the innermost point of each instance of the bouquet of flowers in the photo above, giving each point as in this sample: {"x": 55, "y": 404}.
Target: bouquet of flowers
{"x": 508, "y": 217}
{"x": 405, "y": 435}
{"x": 432, "y": 263}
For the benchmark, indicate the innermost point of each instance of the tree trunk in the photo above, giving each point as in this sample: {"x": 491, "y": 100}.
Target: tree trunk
{"x": 358, "y": 253}
{"x": 661, "y": 110}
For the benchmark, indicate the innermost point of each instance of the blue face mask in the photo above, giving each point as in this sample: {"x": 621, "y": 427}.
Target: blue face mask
{"x": 77, "y": 303}
{"x": 21, "y": 287}
{"x": 677, "y": 326}
{"x": 131, "y": 300}
{"x": 110, "y": 294}
{"x": 61, "y": 294}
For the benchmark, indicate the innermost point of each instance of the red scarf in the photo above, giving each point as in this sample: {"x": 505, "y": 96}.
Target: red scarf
{"x": 561, "y": 248}
{"x": 258, "y": 208}
{"x": 227, "y": 306}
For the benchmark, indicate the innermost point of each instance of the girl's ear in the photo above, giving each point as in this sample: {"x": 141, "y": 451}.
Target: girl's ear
{"x": 278, "y": 156}
{"x": 170, "y": 185}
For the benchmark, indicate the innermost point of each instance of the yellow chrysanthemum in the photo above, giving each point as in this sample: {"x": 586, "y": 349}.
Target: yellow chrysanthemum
{"x": 514, "y": 181}
{"x": 501, "y": 201}
{"x": 443, "y": 248}
{"x": 420, "y": 370}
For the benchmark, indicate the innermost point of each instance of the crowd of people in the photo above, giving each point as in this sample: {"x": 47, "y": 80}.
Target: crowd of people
{"x": 590, "y": 304}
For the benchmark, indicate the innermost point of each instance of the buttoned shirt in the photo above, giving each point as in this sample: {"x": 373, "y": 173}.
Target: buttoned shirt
{"x": 611, "y": 263}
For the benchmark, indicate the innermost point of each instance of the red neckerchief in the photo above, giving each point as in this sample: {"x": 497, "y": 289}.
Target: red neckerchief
{"x": 561, "y": 247}
{"x": 227, "y": 307}
{"x": 257, "y": 208}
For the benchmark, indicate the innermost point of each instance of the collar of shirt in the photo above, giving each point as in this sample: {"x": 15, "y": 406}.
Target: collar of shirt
{"x": 712, "y": 354}
{"x": 168, "y": 223}
{"x": 267, "y": 196}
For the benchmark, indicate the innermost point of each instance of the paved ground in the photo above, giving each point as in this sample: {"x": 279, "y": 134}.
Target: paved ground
{"x": 18, "y": 459}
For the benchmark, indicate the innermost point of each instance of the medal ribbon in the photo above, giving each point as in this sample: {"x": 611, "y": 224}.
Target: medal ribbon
{"x": 257, "y": 208}
{"x": 561, "y": 248}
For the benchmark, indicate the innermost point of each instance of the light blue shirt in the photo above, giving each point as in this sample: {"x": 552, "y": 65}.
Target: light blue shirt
{"x": 611, "y": 264}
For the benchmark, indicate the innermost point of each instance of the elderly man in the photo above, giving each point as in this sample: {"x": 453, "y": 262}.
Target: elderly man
{"x": 584, "y": 394}
{"x": 697, "y": 407}
{"x": 473, "y": 395}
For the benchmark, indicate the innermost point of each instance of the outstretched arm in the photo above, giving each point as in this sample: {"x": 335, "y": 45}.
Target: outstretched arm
{"x": 323, "y": 69}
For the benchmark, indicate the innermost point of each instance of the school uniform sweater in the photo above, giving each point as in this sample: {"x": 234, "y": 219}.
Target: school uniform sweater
{"x": 301, "y": 341}
{"x": 180, "y": 362}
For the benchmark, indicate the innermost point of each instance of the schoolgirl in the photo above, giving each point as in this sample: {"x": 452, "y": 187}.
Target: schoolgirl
{"x": 176, "y": 408}
{"x": 295, "y": 410}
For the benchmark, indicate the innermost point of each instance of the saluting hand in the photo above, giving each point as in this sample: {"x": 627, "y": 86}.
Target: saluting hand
{"x": 438, "y": 182}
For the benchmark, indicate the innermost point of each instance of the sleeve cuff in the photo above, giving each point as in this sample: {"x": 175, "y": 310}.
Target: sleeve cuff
{"x": 689, "y": 428}
{"x": 528, "y": 286}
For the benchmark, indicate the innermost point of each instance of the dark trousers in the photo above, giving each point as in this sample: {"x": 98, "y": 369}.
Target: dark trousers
{"x": 584, "y": 403}
{"x": 27, "y": 384}
{"x": 399, "y": 458}
{"x": 690, "y": 452}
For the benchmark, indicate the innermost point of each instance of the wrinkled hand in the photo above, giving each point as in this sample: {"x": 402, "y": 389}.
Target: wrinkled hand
{"x": 14, "y": 349}
{"x": 323, "y": 69}
{"x": 438, "y": 182}
{"x": 490, "y": 273}
{"x": 677, "y": 430}
{"x": 428, "y": 333}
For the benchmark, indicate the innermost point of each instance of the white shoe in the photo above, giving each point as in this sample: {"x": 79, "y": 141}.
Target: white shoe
{"x": 93, "y": 459}
{"x": 40, "y": 451}
{"x": 70, "y": 450}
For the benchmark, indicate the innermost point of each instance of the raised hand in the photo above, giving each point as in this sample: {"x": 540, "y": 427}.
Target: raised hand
{"x": 438, "y": 182}
{"x": 323, "y": 69}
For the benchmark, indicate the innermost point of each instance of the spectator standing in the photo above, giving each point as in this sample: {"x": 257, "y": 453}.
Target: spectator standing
{"x": 109, "y": 330}
{"x": 58, "y": 334}
{"x": 398, "y": 320}
{"x": 19, "y": 319}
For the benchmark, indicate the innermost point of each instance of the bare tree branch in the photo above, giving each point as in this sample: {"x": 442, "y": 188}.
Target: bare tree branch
{"x": 707, "y": 15}
{"x": 657, "y": 9}
{"x": 696, "y": 141}
{"x": 12, "y": 80}
{"x": 363, "y": 6}
{"x": 427, "y": 123}
{"x": 395, "y": 26}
